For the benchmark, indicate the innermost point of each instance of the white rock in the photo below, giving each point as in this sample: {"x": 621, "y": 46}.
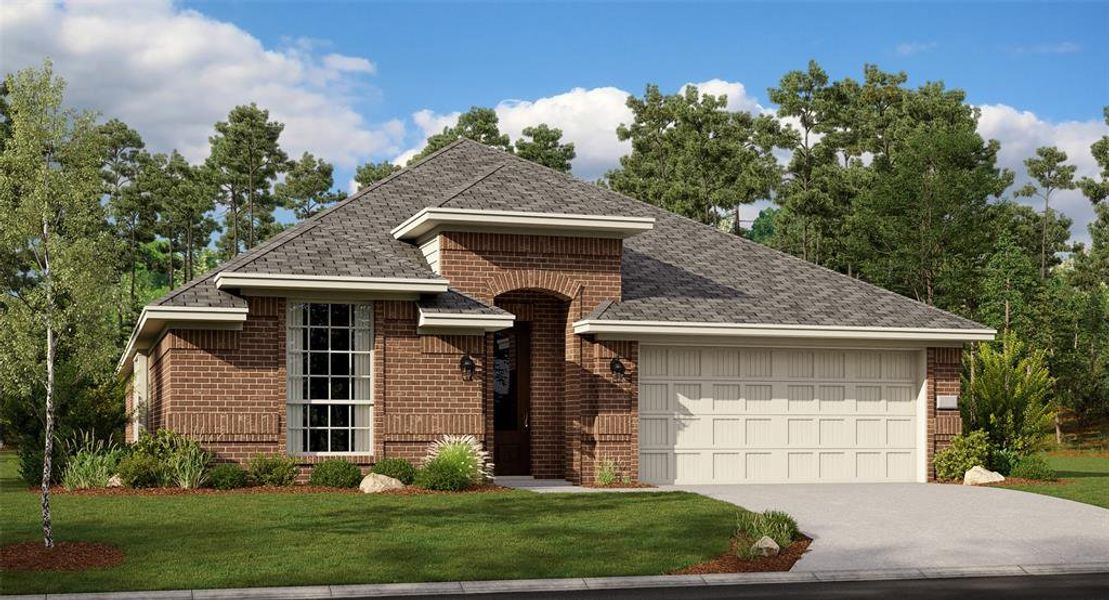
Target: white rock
{"x": 981, "y": 475}
{"x": 115, "y": 481}
{"x": 374, "y": 483}
{"x": 765, "y": 547}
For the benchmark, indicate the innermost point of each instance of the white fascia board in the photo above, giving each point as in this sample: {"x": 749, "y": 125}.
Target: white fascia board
{"x": 655, "y": 328}
{"x": 155, "y": 319}
{"x": 437, "y": 321}
{"x": 308, "y": 283}
{"x": 433, "y": 219}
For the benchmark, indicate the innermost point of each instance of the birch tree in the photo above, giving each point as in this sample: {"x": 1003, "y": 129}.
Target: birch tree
{"x": 55, "y": 242}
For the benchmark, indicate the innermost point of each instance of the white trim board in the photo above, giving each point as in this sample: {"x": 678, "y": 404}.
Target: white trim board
{"x": 154, "y": 320}
{"x": 431, "y": 220}
{"x": 320, "y": 283}
{"x": 460, "y": 323}
{"x": 608, "y": 329}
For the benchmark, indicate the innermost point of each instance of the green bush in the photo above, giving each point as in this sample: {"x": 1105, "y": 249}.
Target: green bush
{"x": 606, "y": 474}
{"x": 91, "y": 469}
{"x": 752, "y": 526}
{"x": 397, "y": 468}
{"x": 188, "y": 466}
{"x": 227, "y": 476}
{"x": 142, "y": 471}
{"x": 1034, "y": 467}
{"x": 272, "y": 470}
{"x": 30, "y": 464}
{"x": 445, "y": 474}
{"x": 966, "y": 451}
{"x": 1008, "y": 395}
{"x": 161, "y": 444}
{"x": 459, "y": 453}
{"x": 1003, "y": 460}
{"x": 336, "y": 473}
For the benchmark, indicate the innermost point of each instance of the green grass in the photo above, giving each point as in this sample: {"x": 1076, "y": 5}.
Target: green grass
{"x": 1086, "y": 479}
{"x": 240, "y": 540}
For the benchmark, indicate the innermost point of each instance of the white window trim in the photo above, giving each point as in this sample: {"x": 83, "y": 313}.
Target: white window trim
{"x": 371, "y": 353}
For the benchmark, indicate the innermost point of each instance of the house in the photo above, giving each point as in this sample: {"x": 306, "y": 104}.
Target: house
{"x": 565, "y": 325}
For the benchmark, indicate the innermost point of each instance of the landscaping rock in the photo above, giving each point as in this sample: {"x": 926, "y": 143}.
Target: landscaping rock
{"x": 374, "y": 483}
{"x": 115, "y": 481}
{"x": 765, "y": 547}
{"x": 981, "y": 475}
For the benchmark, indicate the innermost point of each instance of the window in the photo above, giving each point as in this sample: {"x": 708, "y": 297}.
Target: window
{"x": 330, "y": 388}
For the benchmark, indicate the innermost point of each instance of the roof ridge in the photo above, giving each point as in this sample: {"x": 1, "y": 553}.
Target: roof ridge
{"x": 452, "y": 194}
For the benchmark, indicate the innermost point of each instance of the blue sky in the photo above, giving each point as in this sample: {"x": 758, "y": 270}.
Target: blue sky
{"x": 360, "y": 81}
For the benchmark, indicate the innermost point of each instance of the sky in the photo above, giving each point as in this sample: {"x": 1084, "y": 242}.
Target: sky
{"x": 361, "y": 81}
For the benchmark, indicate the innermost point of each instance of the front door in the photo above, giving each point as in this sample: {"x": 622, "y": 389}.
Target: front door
{"x": 511, "y": 394}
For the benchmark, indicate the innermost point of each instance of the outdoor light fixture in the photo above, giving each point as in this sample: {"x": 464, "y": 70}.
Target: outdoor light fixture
{"x": 618, "y": 369}
{"x": 466, "y": 365}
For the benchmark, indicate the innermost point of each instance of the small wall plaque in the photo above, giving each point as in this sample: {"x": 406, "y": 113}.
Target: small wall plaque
{"x": 947, "y": 402}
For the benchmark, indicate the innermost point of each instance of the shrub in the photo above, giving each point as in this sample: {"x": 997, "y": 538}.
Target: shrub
{"x": 1034, "y": 467}
{"x": 272, "y": 470}
{"x": 161, "y": 444}
{"x": 1008, "y": 395}
{"x": 30, "y": 464}
{"x": 1003, "y": 460}
{"x": 188, "y": 466}
{"x": 142, "y": 471}
{"x": 336, "y": 473}
{"x": 227, "y": 476}
{"x": 445, "y": 474}
{"x": 91, "y": 469}
{"x": 397, "y": 468}
{"x": 752, "y": 526}
{"x": 606, "y": 474}
{"x": 461, "y": 453}
{"x": 966, "y": 451}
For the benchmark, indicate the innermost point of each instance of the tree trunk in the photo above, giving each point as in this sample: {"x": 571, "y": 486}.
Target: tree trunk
{"x": 1058, "y": 430}
{"x": 51, "y": 353}
{"x": 1043, "y": 237}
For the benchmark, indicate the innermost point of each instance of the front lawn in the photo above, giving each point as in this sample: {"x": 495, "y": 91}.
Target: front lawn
{"x": 1085, "y": 478}
{"x": 240, "y": 540}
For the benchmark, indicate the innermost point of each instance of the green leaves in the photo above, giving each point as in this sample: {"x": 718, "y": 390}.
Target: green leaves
{"x": 307, "y": 186}
{"x": 1006, "y": 392}
{"x": 545, "y": 147}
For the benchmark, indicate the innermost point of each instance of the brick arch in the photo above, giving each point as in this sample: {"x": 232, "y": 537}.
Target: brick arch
{"x": 547, "y": 281}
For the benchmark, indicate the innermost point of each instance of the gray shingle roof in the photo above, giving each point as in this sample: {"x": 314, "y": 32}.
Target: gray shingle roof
{"x": 455, "y": 302}
{"x": 680, "y": 271}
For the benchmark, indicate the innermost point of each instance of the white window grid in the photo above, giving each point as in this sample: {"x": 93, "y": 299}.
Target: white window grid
{"x": 329, "y": 345}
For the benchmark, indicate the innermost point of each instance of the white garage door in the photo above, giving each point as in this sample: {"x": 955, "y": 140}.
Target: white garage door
{"x": 732, "y": 415}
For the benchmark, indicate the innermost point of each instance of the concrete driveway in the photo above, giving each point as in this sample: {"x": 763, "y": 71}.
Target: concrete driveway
{"x": 917, "y": 525}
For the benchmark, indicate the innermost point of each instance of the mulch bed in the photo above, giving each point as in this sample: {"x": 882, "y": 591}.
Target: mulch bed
{"x": 64, "y": 556}
{"x": 730, "y": 563}
{"x": 631, "y": 485}
{"x": 259, "y": 489}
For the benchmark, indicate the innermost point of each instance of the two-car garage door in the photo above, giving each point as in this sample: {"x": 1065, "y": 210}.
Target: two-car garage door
{"x": 733, "y": 415}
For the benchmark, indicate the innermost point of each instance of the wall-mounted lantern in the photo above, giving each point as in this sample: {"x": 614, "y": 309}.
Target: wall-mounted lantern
{"x": 618, "y": 369}
{"x": 466, "y": 366}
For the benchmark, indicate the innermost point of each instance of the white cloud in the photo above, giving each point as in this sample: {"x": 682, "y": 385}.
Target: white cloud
{"x": 587, "y": 117}
{"x": 1021, "y": 132}
{"x": 914, "y": 48}
{"x": 171, "y": 73}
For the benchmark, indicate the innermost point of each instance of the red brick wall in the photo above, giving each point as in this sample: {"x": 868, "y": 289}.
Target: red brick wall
{"x": 225, "y": 388}
{"x": 419, "y": 392}
{"x": 944, "y": 366}
{"x": 564, "y": 278}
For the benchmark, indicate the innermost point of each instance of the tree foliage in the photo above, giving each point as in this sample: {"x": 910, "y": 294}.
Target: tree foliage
{"x": 307, "y": 187}
{"x": 373, "y": 172}
{"x": 543, "y": 145}
{"x": 479, "y": 124}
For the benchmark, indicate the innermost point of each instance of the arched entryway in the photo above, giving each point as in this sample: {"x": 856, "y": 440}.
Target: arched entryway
{"x": 528, "y": 382}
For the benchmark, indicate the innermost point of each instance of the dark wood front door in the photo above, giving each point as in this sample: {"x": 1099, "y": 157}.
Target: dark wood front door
{"x": 511, "y": 394}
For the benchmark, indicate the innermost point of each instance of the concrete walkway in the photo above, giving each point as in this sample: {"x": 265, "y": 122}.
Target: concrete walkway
{"x": 927, "y": 526}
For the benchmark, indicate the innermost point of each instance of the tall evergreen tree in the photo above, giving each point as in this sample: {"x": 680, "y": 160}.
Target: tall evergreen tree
{"x": 1050, "y": 174}
{"x": 245, "y": 160}
{"x": 372, "y": 172}
{"x": 1009, "y": 289}
{"x": 479, "y": 124}
{"x": 132, "y": 216}
{"x": 51, "y": 217}
{"x": 545, "y": 147}
{"x": 307, "y": 187}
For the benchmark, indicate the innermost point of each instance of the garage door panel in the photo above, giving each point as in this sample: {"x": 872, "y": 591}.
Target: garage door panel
{"x": 724, "y": 415}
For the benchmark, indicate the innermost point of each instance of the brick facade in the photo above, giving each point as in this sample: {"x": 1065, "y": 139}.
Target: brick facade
{"x": 944, "y": 365}
{"x": 228, "y": 388}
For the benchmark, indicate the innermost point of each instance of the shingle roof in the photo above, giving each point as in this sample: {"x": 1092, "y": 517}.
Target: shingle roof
{"x": 680, "y": 271}
{"x": 455, "y": 302}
